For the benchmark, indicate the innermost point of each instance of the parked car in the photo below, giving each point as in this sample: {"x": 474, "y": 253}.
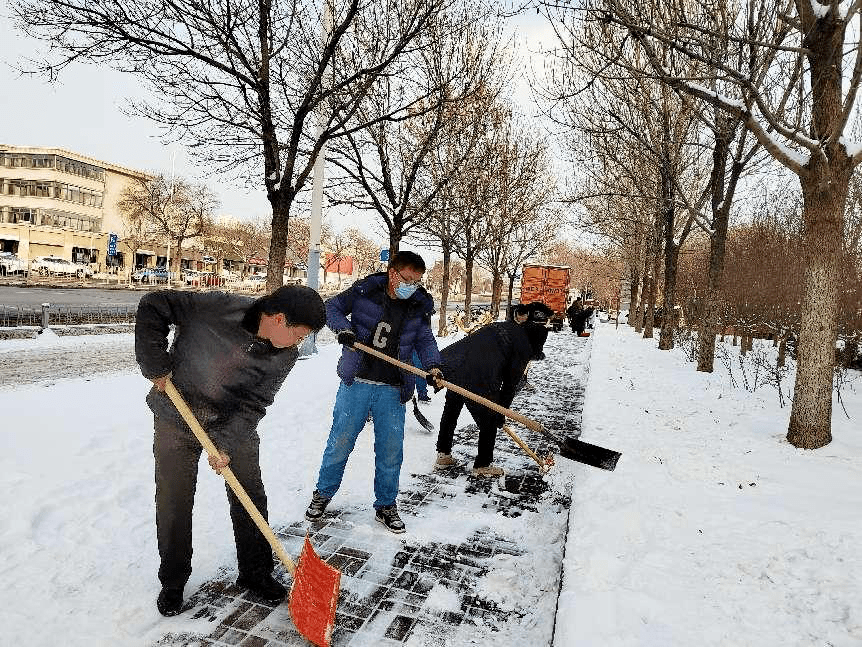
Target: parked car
{"x": 151, "y": 275}
{"x": 45, "y": 265}
{"x": 11, "y": 264}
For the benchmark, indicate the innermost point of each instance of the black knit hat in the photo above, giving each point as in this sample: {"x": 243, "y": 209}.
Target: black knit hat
{"x": 538, "y": 312}
{"x": 301, "y": 306}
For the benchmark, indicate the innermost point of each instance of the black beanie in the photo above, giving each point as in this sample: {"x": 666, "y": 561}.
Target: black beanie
{"x": 301, "y": 306}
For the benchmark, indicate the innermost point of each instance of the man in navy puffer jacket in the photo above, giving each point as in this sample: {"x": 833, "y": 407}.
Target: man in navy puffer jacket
{"x": 390, "y": 312}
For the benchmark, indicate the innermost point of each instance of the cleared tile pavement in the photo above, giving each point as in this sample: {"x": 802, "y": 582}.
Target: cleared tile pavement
{"x": 496, "y": 576}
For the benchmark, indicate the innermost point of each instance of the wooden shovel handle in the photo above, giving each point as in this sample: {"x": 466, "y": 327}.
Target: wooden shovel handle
{"x": 228, "y": 475}
{"x": 517, "y": 417}
{"x": 542, "y": 465}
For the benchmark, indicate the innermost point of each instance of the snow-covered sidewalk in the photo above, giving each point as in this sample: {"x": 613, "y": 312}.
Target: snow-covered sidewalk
{"x": 713, "y": 530}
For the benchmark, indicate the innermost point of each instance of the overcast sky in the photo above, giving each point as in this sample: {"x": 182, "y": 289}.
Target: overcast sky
{"x": 82, "y": 112}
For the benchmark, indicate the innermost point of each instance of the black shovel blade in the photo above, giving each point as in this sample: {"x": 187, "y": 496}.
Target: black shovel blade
{"x": 589, "y": 454}
{"x": 421, "y": 419}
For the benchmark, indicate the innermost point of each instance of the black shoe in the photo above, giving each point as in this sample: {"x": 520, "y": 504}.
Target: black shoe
{"x": 169, "y": 601}
{"x": 424, "y": 398}
{"x": 266, "y": 587}
{"x": 388, "y": 516}
{"x": 316, "y": 507}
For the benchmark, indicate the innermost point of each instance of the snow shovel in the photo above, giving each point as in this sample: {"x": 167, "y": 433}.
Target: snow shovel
{"x": 314, "y": 593}
{"x": 420, "y": 418}
{"x": 570, "y": 447}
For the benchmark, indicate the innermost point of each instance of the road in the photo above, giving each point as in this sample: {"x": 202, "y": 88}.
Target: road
{"x": 64, "y": 296}
{"x": 20, "y": 296}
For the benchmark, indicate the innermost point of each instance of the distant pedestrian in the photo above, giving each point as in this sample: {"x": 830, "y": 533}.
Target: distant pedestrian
{"x": 229, "y": 357}
{"x": 490, "y": 363}
{"x": 390, "y": 312}
{"x": 573, "y": 313}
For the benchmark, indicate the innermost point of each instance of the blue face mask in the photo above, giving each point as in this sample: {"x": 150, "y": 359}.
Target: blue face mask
{"x": 405, "y": 290}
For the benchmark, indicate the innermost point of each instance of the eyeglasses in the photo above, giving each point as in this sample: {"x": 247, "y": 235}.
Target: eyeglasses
{"x": 404, "y": 278}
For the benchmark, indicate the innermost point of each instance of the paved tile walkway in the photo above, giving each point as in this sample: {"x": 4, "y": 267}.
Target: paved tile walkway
{"x": 397, "y": 590}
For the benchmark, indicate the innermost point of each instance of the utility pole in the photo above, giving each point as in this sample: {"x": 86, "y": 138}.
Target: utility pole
{"x": 168, "y": 215}
{"x": 308, "y": 346}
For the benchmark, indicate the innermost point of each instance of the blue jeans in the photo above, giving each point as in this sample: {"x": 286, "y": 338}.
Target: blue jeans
{"x": 352, "y": 404}
{"x": 421, "y": 384}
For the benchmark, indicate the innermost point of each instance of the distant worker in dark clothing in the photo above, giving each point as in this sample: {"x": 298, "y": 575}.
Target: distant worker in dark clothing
{"x": 573, "y": 313}
{"x": 229, "y": 357}
{"x": 490, "y": 363}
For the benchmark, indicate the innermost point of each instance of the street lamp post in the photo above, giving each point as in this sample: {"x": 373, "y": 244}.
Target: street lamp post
{"x": 308, "y": 346}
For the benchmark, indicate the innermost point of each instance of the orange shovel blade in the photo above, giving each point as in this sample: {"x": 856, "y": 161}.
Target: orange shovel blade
{"x": 314, "y": 596}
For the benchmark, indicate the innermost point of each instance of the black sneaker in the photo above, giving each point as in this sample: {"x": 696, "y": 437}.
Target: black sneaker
{"x": 424, "y": 398}
{"x": 316, "y": 507}
{"x": 266, "y": 587}
{"x": 388, "y": 516}
{"x": 169, "y": 601}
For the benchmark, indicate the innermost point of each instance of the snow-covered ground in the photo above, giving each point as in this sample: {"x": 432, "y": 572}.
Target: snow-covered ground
{"x": 711, "y": 531}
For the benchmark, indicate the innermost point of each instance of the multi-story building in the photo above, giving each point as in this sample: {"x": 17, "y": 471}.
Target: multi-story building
{"x": 58, "y": 203}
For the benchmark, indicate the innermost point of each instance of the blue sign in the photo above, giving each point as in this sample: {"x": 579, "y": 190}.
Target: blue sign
{"x": 112, "y": 244}
{"x": 384, "y": 255}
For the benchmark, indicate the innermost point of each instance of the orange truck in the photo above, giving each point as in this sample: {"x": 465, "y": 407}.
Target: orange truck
{"x": 548, "y": 284}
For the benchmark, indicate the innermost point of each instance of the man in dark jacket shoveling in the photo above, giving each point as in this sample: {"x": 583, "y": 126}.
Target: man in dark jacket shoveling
{"x": 390, "y": 312}
{"x": 229, "y": 357}
{"x": 490, "y": 362}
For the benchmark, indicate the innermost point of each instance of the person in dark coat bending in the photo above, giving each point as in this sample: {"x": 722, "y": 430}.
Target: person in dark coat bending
{"x": 229, "y": 357}
{"x": 490, "y": 362}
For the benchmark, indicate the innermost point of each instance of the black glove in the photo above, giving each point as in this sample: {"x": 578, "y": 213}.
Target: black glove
{"x": 433, "y": 377}
{"x": 346, "y": 337}
{"x": 499, "y": 419}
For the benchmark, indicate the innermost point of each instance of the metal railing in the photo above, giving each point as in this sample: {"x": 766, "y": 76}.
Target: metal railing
{"x": 13, "y": 316}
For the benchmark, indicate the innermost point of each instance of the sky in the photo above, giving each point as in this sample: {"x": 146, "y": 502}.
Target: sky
{"x": 82, "y": 112}
{"x": 712, "y": 531}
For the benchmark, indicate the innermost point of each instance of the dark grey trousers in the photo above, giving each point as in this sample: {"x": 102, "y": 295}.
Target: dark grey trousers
{"x": 177, "y": 453}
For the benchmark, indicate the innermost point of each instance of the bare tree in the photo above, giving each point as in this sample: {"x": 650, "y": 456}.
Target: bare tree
{"x": 241, "y": 82}
{"x": 522, "y": 188}
{"x": 366, "y": 252}
{"x": 174, "y": 211}
{"x": 815, "y": 51}
{"x": 387, "y": 164}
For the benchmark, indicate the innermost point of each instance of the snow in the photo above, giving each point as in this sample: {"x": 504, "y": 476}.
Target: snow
{"x": 820, "y": 10}
{"x": 713, "y": 530}
{"x": 801, "y": 159}
{"x": 852, "y": 147}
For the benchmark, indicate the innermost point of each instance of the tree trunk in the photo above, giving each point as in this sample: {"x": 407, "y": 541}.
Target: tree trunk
{"x": 824, "y": 192}
{"x": 709, "y": 321}
{"x": 496, "y": 295}
{"x": 633, "y": 296}
{"x": 671, "y": 258}
{"x": 444, "y": 293}
{"x": 782, "y": 351}
{"x": 645, "y": 279}
{"x": 468, "y": 286}
{"x": 511, "y": 294}
{"x": 810, "y": 424}
{"x": 278, "y": 243}
{"x": 653, "y": 285}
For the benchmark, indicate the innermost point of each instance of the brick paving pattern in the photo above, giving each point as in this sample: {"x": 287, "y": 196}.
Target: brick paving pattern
{"x": 386, "y": 579}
